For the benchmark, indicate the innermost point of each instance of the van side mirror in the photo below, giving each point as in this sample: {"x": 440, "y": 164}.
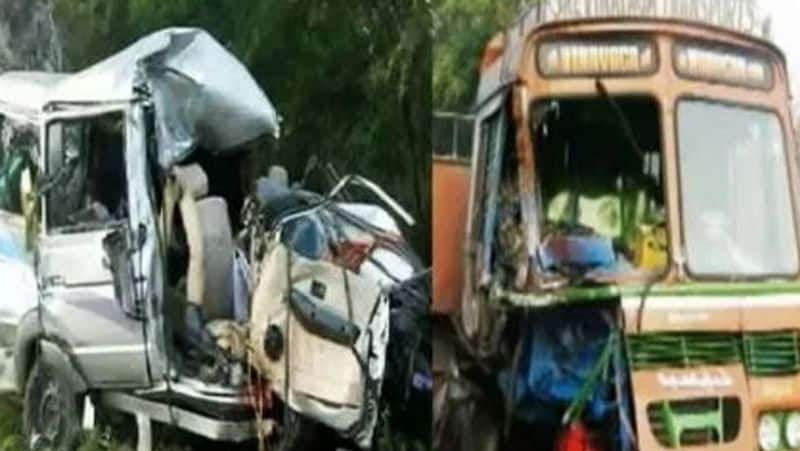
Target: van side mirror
{"x": 119, "y": 249}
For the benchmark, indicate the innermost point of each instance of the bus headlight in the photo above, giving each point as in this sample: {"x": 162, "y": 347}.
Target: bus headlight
{"x": 791, "y": 430}
{"x": 769, "y": 432}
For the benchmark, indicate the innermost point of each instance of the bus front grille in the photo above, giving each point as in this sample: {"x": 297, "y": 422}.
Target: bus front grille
{"x": 772, "y": 353}
{"x": 683, "y": 350}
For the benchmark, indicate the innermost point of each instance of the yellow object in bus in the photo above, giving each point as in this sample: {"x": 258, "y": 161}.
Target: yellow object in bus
{"x": 650, "y": 247}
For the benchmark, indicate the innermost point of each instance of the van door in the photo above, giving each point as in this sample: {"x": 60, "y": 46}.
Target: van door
{"x": 85, "y": 161}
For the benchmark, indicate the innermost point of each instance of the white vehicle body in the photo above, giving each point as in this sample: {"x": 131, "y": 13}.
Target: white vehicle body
{"x": 110, "y": 330}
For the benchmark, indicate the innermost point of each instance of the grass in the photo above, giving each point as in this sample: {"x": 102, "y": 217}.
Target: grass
{"x": 10, "y": 425}
{"x": 166, "y": 439}
{"x": 11, "y": 434}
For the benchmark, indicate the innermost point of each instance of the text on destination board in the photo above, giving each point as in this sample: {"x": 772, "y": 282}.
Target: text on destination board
{"x": 722, "y": 65}
{"x": 571, "y": 58}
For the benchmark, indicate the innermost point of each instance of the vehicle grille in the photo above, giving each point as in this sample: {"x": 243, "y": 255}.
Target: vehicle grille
{"x": 695, "y": 422}
{"x": 682, "y": 350}
{"x": 772, "y": 353}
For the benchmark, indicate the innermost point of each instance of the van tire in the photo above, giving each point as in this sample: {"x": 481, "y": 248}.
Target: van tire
{"x": 51, "y": 414}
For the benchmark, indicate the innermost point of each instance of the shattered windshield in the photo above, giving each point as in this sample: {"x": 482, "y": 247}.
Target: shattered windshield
{"x": 737, "y": 211}
{"x": 600, "y": 187}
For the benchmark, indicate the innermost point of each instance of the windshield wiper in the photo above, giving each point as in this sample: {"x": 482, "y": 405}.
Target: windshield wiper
{"x": 624, "y": 123}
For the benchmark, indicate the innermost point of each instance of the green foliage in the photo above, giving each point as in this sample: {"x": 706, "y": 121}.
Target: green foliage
{"x": 351, "y": 78}
{"x": 10, "y": 425}
{"x": 462, "y": 28}
{"x": 98, "y": 442}
{"x": 11, "y": 438}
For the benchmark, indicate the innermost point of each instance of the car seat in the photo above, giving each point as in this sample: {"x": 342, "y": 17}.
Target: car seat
{"x": 209, "y": 277}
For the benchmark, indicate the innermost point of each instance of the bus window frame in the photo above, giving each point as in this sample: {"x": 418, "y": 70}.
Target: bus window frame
{"x": 791, "y": 184}
{"x": 660, "y": 103}
{"x": 728, "y": 48}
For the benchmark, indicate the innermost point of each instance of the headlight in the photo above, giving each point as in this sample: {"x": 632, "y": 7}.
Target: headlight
{"x": 769, "y": 432}
{"x": 791, "y": 430}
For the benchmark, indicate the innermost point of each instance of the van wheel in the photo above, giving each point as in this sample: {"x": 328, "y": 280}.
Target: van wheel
{"x": 51, "y": 418}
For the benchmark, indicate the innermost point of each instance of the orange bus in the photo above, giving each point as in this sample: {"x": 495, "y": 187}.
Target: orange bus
{"x": 628, "y": 276}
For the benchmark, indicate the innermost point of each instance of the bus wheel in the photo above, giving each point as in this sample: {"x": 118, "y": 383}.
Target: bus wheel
{"x": 51, "y": 418}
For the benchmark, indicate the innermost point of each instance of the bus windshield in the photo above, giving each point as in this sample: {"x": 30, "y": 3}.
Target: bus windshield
{"x": 736, "y": 204}
{"x": 601, "y": 188}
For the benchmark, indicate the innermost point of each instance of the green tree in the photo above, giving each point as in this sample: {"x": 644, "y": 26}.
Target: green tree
{"x": 351, "y": 79}
{"x": 462, "y": 28}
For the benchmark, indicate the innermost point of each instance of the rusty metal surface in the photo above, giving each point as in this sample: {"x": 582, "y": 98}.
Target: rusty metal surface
{"x": 664, "y": 85}
{"x": 774, "y": 393}
{"x": 731, "y": 311}
{"x": 649, "y": 387}
{"x": 667, "y": 88}
{"x": 505, "y": 61}
{"x": 674, "y": 314}
{"x": 450, "y": 195}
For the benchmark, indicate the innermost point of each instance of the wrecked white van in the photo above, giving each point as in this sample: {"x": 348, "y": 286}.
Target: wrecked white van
{"x": 157, "y": 282}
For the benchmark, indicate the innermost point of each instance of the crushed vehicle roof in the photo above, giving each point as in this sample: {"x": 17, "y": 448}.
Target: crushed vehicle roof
{"x": 204, "y": 96}
{"x": 28, "y": 90}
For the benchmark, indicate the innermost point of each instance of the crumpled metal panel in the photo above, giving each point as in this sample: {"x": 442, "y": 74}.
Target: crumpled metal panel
{"x": 204, "y": 96}
{"x": 333, "y": 383}
{"x": 324, "y": 379}
{"x": 27, "y": 91}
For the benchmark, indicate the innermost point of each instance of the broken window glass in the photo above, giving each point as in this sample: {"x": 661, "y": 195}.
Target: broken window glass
{"x": 601, "y": 187}
{"x": 86, "y": 156}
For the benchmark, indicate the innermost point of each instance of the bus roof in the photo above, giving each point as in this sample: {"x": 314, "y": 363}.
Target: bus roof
{"x": 503, "y": 54}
